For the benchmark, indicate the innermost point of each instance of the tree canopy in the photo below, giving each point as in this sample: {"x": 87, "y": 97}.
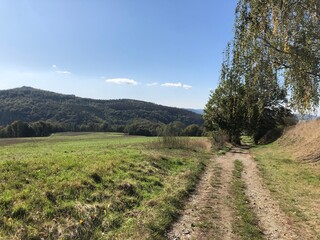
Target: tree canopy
{"x": 271, "y": 66}
{"x": 277, "y": 42}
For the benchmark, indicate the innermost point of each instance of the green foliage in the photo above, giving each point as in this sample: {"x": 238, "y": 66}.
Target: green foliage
{"x": 19, "y": 128}
{"x": 143, "y": 128}
{"x": 36, "y": 129}
{"x": 225, "y": 108}
{"x": 249, "y": 98}
{"x": 173, "y": 129}
{"x": 193, "y": 130}
{"x": 277, "y": 44}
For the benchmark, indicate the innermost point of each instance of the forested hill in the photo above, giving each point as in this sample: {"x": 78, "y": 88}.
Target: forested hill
{"x": 31, "y": 105}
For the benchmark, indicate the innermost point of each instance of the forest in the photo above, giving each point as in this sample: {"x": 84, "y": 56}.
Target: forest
{"x": 29, "y": 112}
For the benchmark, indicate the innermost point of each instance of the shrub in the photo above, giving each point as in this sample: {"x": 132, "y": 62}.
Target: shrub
{"x": 219, "y": 139}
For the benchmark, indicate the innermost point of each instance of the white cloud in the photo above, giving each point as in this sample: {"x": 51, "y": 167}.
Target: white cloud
{"x": 122, "y": 81}
{"x": 178, "y": 84}
{"x": 58, "y": 70}
{"x": 63, "y": 72}
{"x": 152, "y": 84}
{"x": 171, "y": 85}
{"x": 187, "y": 87}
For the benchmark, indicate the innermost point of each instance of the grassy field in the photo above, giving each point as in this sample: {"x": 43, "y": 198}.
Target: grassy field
{"x": 294, "y": 183}
{"x": 94, "y": 186}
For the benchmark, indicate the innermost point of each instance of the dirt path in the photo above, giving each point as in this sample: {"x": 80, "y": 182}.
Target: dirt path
{"x": 209, "y": 213}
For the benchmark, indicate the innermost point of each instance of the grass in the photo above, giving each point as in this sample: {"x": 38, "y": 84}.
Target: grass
{"x": 247, "y": 140}
{"x": 212, "y": 214}
{"x": 94, "y": 186}
{"x": 246, "y": 223}
{"x": 294, "y": 183}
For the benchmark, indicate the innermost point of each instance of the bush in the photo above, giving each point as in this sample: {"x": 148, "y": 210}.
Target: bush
{"x": 193, "y": 130}
{"x": 219, "y": 139}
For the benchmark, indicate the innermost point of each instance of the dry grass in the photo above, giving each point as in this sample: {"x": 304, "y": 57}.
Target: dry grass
{"x": 303, "y": 140}
{"x": 294, "y": 184}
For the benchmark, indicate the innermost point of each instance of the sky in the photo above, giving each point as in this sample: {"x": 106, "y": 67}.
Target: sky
{"x": 167, "y": 52}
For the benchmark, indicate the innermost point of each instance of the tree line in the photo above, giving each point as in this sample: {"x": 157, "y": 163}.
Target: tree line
{"x": 137, "y": 127}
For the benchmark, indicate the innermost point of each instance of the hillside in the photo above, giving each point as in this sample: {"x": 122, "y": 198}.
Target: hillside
{"x": 195, "y": 110}
{"x": 30, "y": 105}
{"x": 303, "y": 140}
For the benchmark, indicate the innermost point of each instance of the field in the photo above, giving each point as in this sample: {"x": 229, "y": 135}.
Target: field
{"x": 94, "y": 186}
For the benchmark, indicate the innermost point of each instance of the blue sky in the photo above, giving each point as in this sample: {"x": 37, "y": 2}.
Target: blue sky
{"x": 163, "y": 51}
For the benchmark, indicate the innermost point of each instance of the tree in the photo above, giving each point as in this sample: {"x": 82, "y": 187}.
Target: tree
{"x": 173, "y": 129}
{"x": 142, "y": 127}
{"x": 104, "y": 127}
{"x": 275, "y": 51}
{"x": 246, "y": 100}
{"x": 192, "y": 130}
{"x": 225, "y": 109}
{"x": 284, "y": 36}
{"x": 21, "y": 129}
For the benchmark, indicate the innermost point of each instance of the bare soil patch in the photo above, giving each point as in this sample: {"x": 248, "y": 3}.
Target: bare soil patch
{"x": 11, "y": 141}
{"x": 208, "y": 214}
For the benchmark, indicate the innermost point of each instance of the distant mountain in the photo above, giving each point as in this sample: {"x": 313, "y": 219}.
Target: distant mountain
{"x": 30, "y": 105}
{"x": 198, "y": 111}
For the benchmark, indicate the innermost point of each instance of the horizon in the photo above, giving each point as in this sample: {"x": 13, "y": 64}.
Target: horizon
{"x": 168, "y": 53}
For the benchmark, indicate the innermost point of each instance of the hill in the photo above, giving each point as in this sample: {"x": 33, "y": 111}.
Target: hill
{"x": 30, "y": 105}
{"x": 198, "y": 111}
{"x": 303, "y": 140}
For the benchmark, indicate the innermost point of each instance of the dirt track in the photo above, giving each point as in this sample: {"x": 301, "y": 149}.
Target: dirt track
{"x": 209, "y": 212}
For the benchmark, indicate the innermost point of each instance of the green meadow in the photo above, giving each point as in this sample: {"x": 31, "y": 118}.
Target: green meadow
{"x": 95, "y": 185}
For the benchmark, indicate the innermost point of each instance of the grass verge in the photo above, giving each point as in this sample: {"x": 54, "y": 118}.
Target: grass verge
{"x": 246, "y": 223}
{"x": 295, "y": 184}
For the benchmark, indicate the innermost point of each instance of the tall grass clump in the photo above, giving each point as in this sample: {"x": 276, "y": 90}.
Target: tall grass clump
{"x": 171, "y": 138}
{"x": 175, "y": 142}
